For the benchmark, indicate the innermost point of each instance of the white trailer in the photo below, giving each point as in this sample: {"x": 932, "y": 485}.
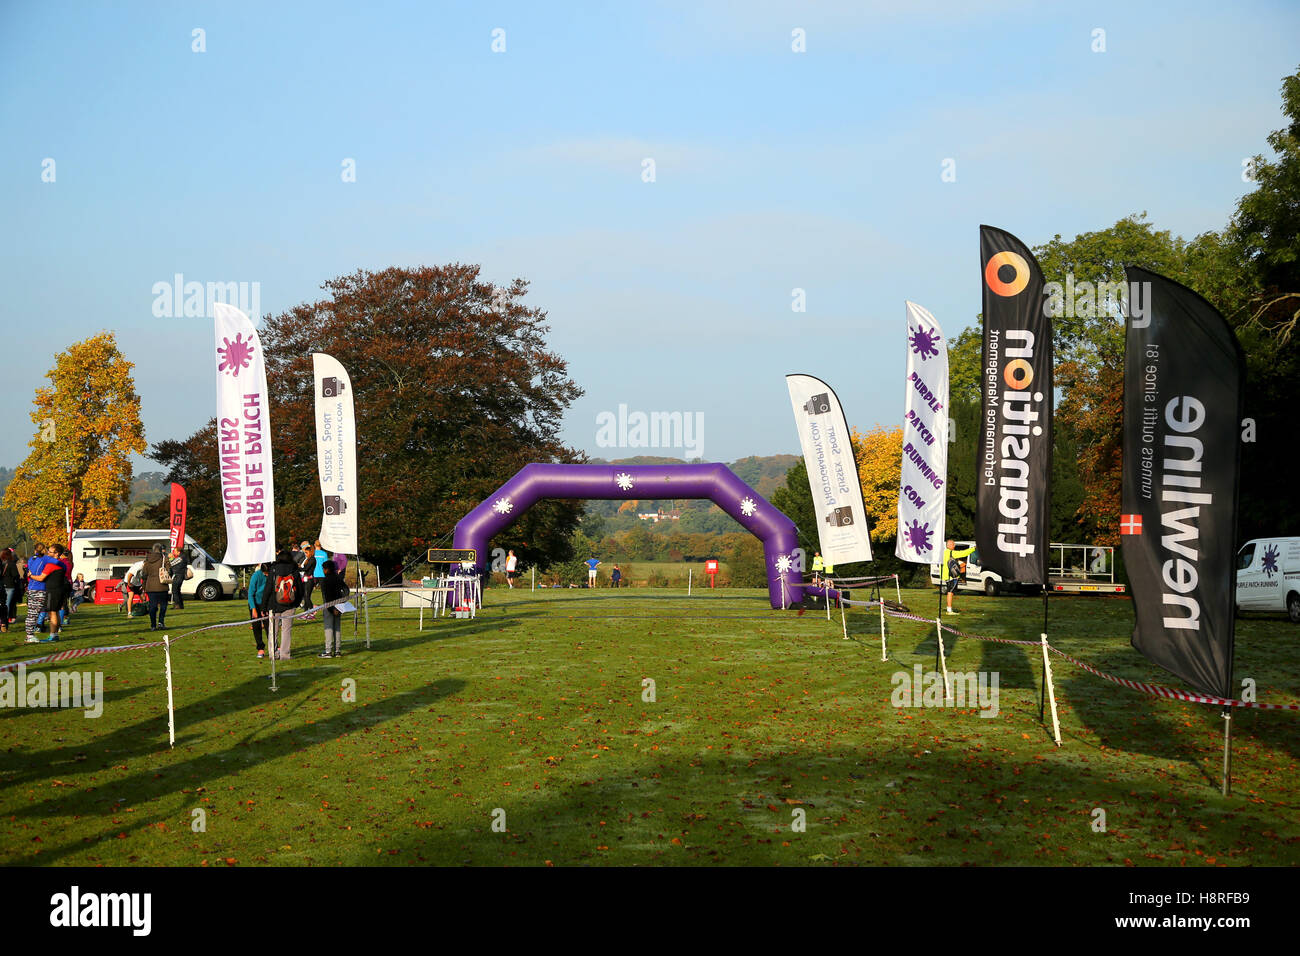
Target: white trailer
{"x": 1072, "y": 568}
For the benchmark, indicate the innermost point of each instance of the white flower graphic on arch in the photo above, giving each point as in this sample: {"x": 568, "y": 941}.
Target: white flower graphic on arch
{"x": 748, "y": 507}
{"x": 783, "y": 563}
{"x": 624, "y": 481}
{"x": 503, "y": 506}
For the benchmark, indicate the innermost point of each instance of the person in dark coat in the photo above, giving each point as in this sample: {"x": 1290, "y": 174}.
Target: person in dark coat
{"x": 332, "y": 588}
{"x": 282, "y": 594}
{"x": 178, "y": 564}
{"x": 155, "y": 588}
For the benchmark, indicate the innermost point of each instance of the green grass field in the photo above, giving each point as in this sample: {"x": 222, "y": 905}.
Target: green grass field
{"x": 534, "y": 714}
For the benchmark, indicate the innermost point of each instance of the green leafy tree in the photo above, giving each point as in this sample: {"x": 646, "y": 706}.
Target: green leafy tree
{"x": 455, "y": 390}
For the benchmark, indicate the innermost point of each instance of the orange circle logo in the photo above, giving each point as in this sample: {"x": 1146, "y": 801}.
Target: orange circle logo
{"x": 1018, "y": 374}
{"x": 1016, "y": 285}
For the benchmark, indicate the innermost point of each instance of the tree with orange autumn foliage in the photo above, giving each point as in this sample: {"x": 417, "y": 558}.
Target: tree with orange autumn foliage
{"x": 879, "y": 453}
{"x": 87, "y": 427}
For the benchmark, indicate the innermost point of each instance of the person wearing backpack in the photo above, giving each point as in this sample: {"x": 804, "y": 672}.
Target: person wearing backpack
{"x": 282, "y": 594}
{"x": 953, "y": 569}
{"x": 332, "y": 588}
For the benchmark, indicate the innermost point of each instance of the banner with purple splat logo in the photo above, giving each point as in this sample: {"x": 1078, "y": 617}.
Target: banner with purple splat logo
{"x": 923, "y": 481}
{"x": 243, "y": 440}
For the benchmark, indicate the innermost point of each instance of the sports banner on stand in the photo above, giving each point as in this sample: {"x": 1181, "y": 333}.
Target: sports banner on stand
{"x": 1183, "y": 377}
{"x": 1014, "y": 457}
{"x": 336, "y": 454}
{"x": 832, "y": 471}
{"x": 176, "y": 515}
{"x": 923, "y": 481}
{"x": 243, "y": 440}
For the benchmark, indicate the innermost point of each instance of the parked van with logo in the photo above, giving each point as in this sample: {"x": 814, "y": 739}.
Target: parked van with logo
{"x": 1268, "y": 576}
{"x": 108, "y": 553}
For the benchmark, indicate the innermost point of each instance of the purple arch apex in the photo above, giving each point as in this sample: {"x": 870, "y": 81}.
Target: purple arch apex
{"x": 716, "y": 482}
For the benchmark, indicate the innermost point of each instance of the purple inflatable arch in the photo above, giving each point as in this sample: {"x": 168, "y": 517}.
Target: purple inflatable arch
{"x": 718, "y": 483}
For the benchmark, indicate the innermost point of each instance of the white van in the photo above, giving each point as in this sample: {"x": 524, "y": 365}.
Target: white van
{"x": 976, "y": 579}
{"x": 1268, "y": 576}
{"x": 107, "y": 553}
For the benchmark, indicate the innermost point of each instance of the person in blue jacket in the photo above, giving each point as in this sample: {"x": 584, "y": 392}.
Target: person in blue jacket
{"x": 256, "y": 585}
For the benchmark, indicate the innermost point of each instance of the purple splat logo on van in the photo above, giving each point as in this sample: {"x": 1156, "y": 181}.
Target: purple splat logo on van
{"x": 1270, "y": 560}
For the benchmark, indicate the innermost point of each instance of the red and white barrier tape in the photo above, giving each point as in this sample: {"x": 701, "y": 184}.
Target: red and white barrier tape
{"x": 74, "y": 652}
{"x": 1154, "y": 690}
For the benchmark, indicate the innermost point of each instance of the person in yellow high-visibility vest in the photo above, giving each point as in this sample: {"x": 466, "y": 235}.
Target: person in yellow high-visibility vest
{"x": 827, "y": 569}
{"x": 950, "y": 573}
{"x": 817, "y": 567}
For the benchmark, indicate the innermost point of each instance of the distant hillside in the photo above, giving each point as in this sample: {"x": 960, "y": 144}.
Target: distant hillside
{"x": 149, "y": 487}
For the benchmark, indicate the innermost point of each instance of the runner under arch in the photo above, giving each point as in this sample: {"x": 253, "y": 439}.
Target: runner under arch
{"x": 716, "y": 482}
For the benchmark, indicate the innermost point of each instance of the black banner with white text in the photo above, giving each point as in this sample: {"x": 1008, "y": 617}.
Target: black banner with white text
{"x": 1014, "y": 457}
{"x": 1183, "y": 379}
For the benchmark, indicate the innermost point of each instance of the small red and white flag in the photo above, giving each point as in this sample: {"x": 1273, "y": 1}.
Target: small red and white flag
{"x": 1130, "y": 524}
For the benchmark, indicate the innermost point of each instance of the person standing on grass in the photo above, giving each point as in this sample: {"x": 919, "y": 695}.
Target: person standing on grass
{"x": 615, "y": 576}
{"x": 179, "y": 567}
{"x": 11, "y": 580}
{"x": 307, "y": 568}
{"x": 256, "y": 591}
{"x": 131, "y": 586}
{"x": 592, "y": 564}
{"x": 332, "y": 588}
{"x": 37, "y": 570}
{"x": 282, "y": 595}
{"x": 156, "y": 590}
{"x": 512, "y": 572}
{"x": 317, "y": 565}
{"x": 817, "y": 566}
{"x": 952, "y": 570}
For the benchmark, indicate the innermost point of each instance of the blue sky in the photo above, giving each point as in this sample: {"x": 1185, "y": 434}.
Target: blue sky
{"x": 775, "y": 170}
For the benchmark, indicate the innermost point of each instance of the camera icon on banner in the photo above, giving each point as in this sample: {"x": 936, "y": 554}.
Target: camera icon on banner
{"x": 840, "y": 517}
{"x": 818, "y": 404}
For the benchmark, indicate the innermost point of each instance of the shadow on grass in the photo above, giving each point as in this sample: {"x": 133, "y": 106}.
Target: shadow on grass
{"x": 159, "y": 781}
{"x": 149, "y": 736}
{"x": 1127, "y": 721}
{"x": 889, "y": 808}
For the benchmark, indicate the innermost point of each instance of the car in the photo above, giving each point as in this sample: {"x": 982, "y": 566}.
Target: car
{"x": 1268, "y": 576}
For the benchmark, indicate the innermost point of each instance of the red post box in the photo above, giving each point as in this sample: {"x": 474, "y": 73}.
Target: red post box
{"x": 711, "y": 567}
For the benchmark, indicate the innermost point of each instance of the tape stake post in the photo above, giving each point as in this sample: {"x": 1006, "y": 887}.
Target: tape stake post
{"x": 1051, "y": 692}
{"x": 898, "y": 590}
{"x": 1227, "y": 751}
{"x": 534, "y": 569}
{"x": 690, "y": 574}
{"x": 844, "y": 622}
{"x": 365, "y": 603}
{"x": 171, "y": 708}
{"x": 827, "y": 594}
{"x": 884, "y": 652}
{"x": 943, "y": 658}
{"x": 275, "y": 648}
